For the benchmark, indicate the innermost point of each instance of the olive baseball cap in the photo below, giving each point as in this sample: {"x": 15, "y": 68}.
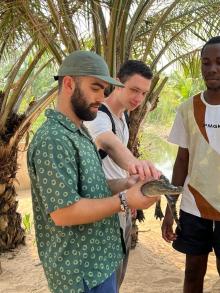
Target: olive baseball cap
{"x": 86, "y": 63}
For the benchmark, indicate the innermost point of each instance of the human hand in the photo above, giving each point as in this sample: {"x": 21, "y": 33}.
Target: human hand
{"x": 145, "y": 169}
{"x": 137, "y": 200}
{"x": 167, "y": 228}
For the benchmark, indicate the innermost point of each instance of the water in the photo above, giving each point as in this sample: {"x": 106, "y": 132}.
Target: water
{"x": 158, "y": 150}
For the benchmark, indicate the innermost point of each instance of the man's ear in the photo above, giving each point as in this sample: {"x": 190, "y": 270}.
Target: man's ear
{"x": 118, "y": 87}
{"x": 69, "y": 84}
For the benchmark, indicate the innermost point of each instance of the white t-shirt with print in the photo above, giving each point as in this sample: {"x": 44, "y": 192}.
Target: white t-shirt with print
{"x": 179, "y": 136}
{"x": 102, "y": 124}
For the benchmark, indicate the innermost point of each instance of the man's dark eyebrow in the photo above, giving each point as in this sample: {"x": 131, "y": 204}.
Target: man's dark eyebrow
{"x": 98, "y": 84}
{"x": 137, "y": 88}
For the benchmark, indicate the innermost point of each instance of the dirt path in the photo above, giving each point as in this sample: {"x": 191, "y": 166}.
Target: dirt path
{"x": 154, "y": 267}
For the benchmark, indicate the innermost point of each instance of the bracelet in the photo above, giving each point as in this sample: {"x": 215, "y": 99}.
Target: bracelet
{"x": 123, "y": 202}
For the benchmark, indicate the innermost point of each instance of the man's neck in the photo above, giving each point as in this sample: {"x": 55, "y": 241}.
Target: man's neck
{"x": 70, "y": 114}
{"x": 114, "y": 104}
{"x": 212, "y": 97}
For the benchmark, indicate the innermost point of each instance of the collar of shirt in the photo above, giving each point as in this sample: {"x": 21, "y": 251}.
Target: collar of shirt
{"x": 66, "y": 122}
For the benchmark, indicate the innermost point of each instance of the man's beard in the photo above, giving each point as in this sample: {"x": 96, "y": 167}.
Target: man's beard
{"x": 80, "y": 106}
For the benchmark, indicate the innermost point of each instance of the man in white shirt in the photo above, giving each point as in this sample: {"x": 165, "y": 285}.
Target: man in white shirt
{"x": 136, "y": 77}
{"x": 196, "y": 131}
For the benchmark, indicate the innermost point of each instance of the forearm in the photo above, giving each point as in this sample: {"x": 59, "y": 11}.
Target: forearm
{"x": 180, "y": 170}
{"x": 121, "y": 156}
{"x": 86, "y": 211}
{"x": 117, "y": 185}
{"x": 115, "y": 149}
{"x": 178, "y": 178}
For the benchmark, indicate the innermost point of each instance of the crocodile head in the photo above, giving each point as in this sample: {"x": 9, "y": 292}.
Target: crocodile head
{"x": 159, "y": 187}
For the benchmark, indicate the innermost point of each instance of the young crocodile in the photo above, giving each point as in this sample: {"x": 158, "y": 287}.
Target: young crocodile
{"x": 163, "y": 186}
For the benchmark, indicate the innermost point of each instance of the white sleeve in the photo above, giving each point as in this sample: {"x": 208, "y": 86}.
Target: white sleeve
{"x": 99, "y": 125}
{"x": 178, "y": 134}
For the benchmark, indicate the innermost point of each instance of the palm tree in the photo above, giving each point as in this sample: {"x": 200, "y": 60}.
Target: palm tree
{"x": 13, "y": 126}
{"x": 151, "y": 30}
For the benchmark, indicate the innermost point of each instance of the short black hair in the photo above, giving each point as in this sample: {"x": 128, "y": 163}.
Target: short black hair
{"x": 212, "y": 41}
{"x": 131, "y": 67}
{"x": 60, "y": 82}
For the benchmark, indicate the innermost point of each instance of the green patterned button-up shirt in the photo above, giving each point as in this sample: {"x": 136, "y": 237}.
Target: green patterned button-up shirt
{"x": 64, "y": 166}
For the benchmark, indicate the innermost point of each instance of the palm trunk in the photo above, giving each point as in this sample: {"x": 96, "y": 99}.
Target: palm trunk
{"x": 134, "y": 233}
{"x": 11, "y": 232}
{"x": 133, "y": 145}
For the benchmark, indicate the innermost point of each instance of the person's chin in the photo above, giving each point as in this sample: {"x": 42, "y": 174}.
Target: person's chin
{"x": 213, "y": 85}
{"x": 132, "y": 108}
{"x": 92, "y": 116}
{"x": 213, "y": 88}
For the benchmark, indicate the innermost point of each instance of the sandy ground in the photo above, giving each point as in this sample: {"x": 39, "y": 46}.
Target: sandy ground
{"x": 153, "y": 265}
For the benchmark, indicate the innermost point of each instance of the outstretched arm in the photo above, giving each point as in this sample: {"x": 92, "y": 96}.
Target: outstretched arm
{"x": 87, "y": 211}
{"x": 123, "y": 157}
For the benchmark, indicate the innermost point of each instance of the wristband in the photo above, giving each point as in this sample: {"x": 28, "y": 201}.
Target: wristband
{"x": 123, "y": 202}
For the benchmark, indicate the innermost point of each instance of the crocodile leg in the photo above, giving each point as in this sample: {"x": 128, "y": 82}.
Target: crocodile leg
{"x": 158, "y": 211}
{"x": 171, "y": 200}
{"x": 140, "y": 215}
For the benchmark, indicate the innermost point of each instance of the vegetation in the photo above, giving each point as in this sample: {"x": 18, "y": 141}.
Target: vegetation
{"x": 184, "y": 81}
{"x": 27, "y": 222}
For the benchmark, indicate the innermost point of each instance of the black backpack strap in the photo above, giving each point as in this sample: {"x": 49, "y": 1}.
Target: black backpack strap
{"x": 104, "y": 109}
{"x": 127, "y": 118}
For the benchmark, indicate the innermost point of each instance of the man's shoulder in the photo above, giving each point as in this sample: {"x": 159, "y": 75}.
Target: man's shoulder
{"x": 47, "y": 131}
{"x": 104, "y": 113}
{"x": 101, "y": 123}
{"x": 50, "y": 135}
{"x": 187, "y": 102}
{"x": 184, "y": 106}
{"x": 192, "y": 99}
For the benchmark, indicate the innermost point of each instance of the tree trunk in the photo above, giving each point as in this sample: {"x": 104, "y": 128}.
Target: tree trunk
{"x": 133, "y": 146}
{"x": 134, "y": 126}
{"x": 11, "y": 232}
{"x": 134, "y": 234}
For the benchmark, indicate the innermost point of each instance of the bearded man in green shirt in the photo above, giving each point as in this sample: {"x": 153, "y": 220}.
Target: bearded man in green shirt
{"x": 75, "y": 208}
